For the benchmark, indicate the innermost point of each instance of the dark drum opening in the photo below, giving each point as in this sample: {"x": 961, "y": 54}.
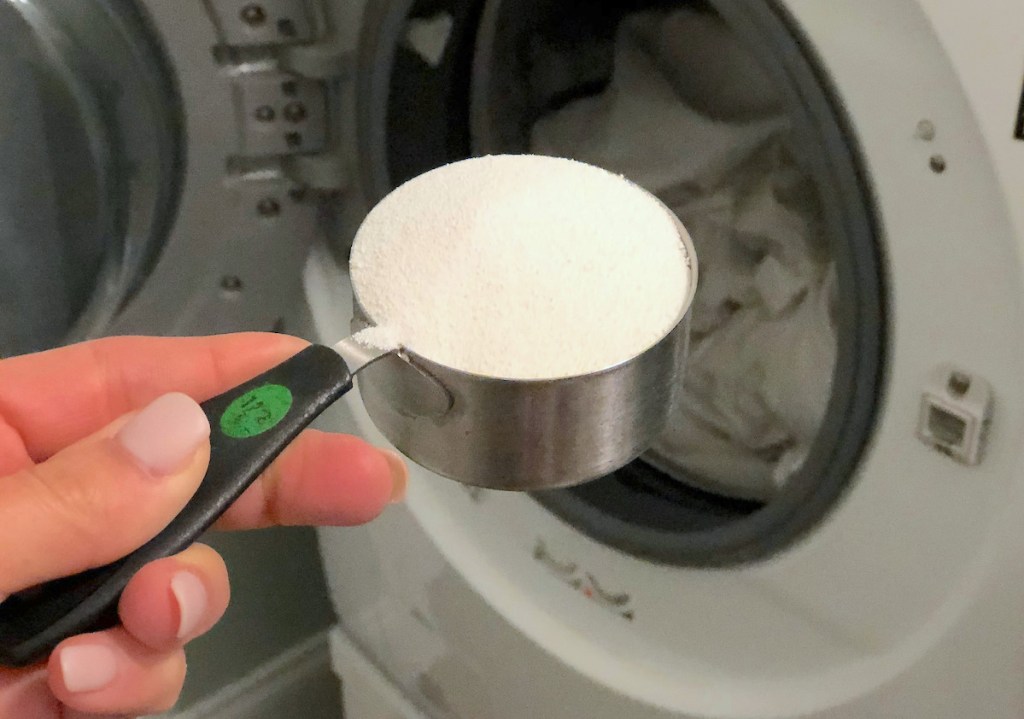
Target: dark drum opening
{"x": 720, "y": 108}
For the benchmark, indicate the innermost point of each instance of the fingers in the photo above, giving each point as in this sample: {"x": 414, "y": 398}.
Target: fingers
{"x": 137, "y": 669}
{"x": 112, "y": 673}
{"x": 102, "y": 497}
{"x": 52, "y": 399}
{"x": 13, "y": 455}
{"x": 24, "y": 693}
{"x": 172, "y": 601}
{"x": 321, "y": 479}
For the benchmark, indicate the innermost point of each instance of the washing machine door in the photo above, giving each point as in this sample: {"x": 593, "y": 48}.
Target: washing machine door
{"x": 163, "y": 165}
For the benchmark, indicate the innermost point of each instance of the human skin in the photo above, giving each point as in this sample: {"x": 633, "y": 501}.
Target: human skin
{"x": 108, "y": 434}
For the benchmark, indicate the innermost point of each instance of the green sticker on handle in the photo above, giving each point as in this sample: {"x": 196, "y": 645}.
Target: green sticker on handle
{"x": 256, "y": 411}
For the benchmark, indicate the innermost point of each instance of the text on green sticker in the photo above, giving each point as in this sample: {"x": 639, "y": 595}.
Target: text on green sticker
{"x": 256, "y": 411}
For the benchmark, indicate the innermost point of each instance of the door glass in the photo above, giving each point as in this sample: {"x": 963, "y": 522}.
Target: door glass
{"x": 91, "y": 150}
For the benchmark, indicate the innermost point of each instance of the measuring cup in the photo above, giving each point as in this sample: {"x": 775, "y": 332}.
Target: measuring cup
{"x": 484, "y": 431}
{"x": 526, "y": 435}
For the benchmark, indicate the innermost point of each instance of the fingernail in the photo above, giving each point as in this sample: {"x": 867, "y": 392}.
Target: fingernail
{"x": 165, "y": 435}
{"x": 399, "y": 474}
{"x": 190, "y": 594}
{"x": 87, "y": 667}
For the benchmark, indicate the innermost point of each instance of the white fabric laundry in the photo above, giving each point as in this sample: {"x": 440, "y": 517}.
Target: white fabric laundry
{"x": 758, "y": 379}
{"x": 624, "y": 128}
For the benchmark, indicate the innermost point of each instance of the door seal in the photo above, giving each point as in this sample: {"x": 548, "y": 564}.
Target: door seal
{"x": 1018, "y": 132}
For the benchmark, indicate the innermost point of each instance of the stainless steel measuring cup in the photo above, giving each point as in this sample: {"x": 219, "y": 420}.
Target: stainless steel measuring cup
{"x": 484, "y": 431}
{"x": 526, "y": 434}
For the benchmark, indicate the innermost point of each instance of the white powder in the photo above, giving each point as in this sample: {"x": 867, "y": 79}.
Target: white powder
{"x": 382, "y": 337}
{"x": 522, "y": 267}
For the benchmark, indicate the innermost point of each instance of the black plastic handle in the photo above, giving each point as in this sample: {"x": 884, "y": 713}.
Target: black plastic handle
{"x": 249, "y": 426}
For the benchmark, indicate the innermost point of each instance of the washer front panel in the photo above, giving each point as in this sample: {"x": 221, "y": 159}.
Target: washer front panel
{"x": 907, "y": 552}
{"x": 264, "y": 162}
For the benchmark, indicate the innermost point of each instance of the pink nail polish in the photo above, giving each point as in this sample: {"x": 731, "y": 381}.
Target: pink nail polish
{"x": 190, "y": 594}
{"x": 164, "y": 436}
{"x": 87, "y": 667}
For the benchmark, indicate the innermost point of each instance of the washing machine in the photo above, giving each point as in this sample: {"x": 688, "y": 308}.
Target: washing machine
{"x": 167, "y": 166}
{"x": 831, "y": 527}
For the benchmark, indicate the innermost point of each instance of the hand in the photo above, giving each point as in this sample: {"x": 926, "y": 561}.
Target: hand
{"x": 101, "y": 445}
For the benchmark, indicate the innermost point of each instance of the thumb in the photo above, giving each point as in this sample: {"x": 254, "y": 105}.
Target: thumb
{"x": 102, "y": 497}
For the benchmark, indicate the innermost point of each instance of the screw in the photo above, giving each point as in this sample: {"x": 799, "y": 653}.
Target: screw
{"x": 231, "y": 284}
{"x": 286, "y": 27}
{"x": 268, "y": 207}
{"x": 290, "y": 88}
{"x": 293, "y": 139}
{"x": 253, "y": 15}
{"x": 937, "y": 163}
{"x": 294, "y": 112}
{"x": 959, "y": 384}
{"x": 265, "y": 113}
